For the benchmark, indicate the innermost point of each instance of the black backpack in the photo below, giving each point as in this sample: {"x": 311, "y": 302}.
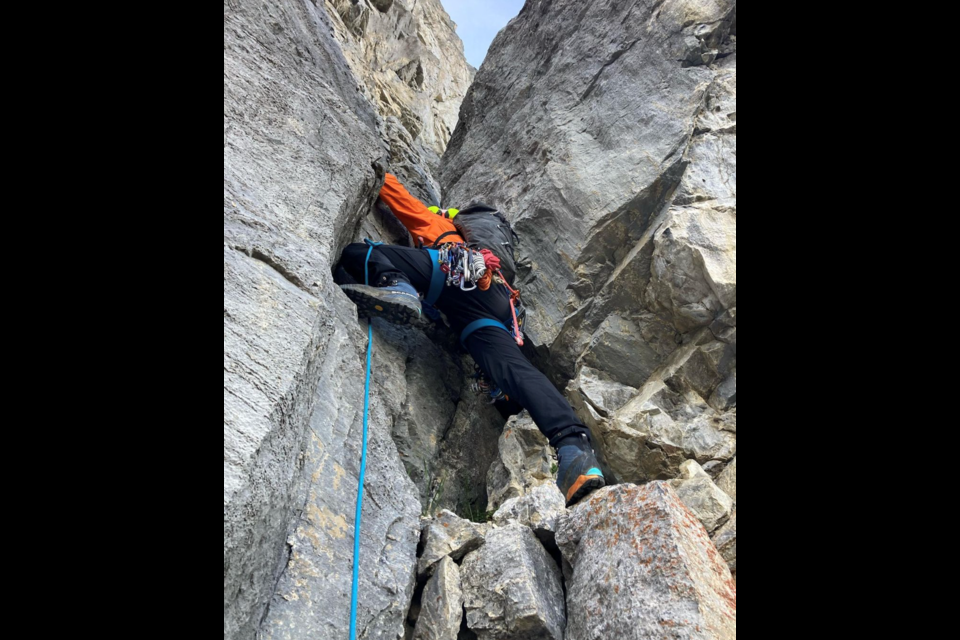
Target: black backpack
{"x": 484, "y": 227}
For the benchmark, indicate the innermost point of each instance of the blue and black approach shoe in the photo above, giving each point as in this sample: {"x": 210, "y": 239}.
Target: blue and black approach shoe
{"x": 398, "y": 303}
{"x": 579, "y": 474}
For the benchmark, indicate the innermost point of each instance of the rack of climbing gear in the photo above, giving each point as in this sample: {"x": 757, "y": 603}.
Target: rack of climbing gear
{"x": 470, "y": 269}
{"x": 463, "y": 266}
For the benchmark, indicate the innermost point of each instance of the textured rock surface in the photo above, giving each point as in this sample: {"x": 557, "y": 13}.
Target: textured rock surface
{"x": 313, "y": 593}
{"x": 596, "y": 390}
{"x": 291, "y": 345}
{"x": 728, "y": 480}
{"x": 512, "y": 588}
{"x": 411, "y": 63}
{"x": 303, "y": 158}
{"x": 538, "y": 509}
{"x": 607, "y": 131}
{"x": 449, "y": 535}
{"x": 697, "y": 490}
{"x": 525, "y": 461}
{"x": 726, "y": 541}
{"x": 590, "y": 112}
{"x": 694, "y": 258}
{"x": 423, "y": 381}
{"x": 468, "y": 450}
{"x": 441, "y": 612}
{"x": 644, "y": 567}
{"x": 649, "y": 439}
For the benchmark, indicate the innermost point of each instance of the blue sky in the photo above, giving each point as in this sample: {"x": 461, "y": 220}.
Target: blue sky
{"x": 479, "y": 21}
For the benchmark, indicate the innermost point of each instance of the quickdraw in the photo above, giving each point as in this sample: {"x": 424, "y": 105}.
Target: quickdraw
{"x": 470, "y": 269}
{"x": 463, "y": 266}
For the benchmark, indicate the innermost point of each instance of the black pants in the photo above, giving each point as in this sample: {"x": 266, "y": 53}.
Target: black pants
{"x": 492, "y": 348}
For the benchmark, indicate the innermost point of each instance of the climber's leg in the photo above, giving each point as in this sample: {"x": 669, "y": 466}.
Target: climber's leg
{"x": 499, "y": 356}
{"x": 388, "y": 263}
{"x": 395, "y": 274}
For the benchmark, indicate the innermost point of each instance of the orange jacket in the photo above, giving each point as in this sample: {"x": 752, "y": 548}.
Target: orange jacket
{"x": 420, "y": 221}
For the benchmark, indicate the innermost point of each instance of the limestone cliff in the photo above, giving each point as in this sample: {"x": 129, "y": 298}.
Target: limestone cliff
{"x": 607, "y": 132}
{"x": 305, "y": 150}
{"x": 410, "y": 61}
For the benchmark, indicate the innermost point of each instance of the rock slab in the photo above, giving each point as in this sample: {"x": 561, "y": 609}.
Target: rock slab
{"x": 697, "y": 490}
{"x": 643, "y": 567}
{"x": 525, "y": 462}
{"x": 449, "y": 535}
{"x": 512, "y": 588}
{"x": 538, "y": 510}
{"x": 441, "y": 612}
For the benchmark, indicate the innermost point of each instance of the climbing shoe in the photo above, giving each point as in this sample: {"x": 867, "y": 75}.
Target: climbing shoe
{"x": 397, "y": 303}
{"x": 579, "y": 473}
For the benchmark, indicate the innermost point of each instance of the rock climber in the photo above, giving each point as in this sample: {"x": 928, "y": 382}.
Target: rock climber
{"x": 399, "y": 275}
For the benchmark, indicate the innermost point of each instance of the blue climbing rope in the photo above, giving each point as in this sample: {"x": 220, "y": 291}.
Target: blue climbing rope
{"x": 363, "y": 473}
{"x": 363, "y": 460}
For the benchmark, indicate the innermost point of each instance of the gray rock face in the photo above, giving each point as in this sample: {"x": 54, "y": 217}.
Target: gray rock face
{"x": 697, "y": 490}
{"x": 449, "y": 535}
{"x": 728, "y": 480}
{"x": 538, "y": 509}
{"x": 525, "y": 461}
{"x": 468, "y": 450}
{"x": 422, "y": 381}
{"x": 313, "y": 593}
{"x": 411, "y": 63}
{"x": 290, "y": 339}
{"x": 607, "y": 132}
{"x": 442, "y": 606}
{"x": 644, "y": 567}
{"x": 647, "y": 440}
{"x": 594, "y": 390}
{"x": 726, "y": 541}
{"x": 549, "y": 131}
{"x": 303, "y": 161}
{"x": 512, "y": 588}
{"x": 694, "y": 261}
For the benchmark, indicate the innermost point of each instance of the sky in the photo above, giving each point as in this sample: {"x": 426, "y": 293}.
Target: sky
{"x": 479, "y": 21}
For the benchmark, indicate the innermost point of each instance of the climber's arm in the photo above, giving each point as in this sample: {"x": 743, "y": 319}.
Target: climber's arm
{"x": 414, "y": 215}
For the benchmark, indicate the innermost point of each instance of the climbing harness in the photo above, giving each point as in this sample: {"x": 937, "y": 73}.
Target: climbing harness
{"x": 363, "y": 458}
{"x": 479, "y": 324}
{"x": 437, "y": 279}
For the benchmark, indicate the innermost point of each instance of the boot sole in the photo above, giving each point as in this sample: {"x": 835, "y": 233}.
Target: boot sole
{"x": 372, "y": 307}
{"x": 585, "y": 486}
